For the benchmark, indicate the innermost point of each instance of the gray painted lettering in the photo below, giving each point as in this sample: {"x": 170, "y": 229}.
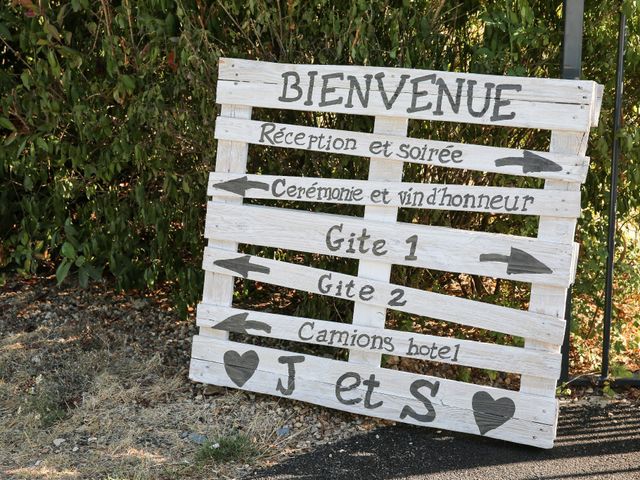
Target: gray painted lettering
{"x": 291, "y": 361}
{"x": 294, "y": 86}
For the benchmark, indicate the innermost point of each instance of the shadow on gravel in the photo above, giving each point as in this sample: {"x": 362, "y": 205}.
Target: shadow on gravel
{"x": 592, "y": 442}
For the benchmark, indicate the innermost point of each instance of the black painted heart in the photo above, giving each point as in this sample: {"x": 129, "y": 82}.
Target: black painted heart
{"x": 490, "y": 413}
{"x": 240, "y": 368}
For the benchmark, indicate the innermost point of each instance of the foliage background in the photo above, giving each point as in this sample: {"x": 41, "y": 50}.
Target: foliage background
{"x": 107, "y": 112}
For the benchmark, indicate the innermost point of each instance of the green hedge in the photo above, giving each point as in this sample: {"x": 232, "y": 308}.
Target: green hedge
{"x": 108, "y": 111}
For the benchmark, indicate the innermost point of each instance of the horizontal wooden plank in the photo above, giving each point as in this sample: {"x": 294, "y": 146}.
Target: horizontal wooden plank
{"x": 414, "y": 301}
{"x": 421, "y": 94}
{"x": 378, "y": 392}
{"x": 550, "y": 90}
{"x": 518, "y": 201}
{"x": 570, "y": 168}
{"x": 380, "y": 340}
{"x": 548, "y": 116}
{"x": 440, "y": 248}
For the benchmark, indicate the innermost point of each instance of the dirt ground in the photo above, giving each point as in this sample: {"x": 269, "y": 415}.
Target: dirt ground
{"x": 95, "y": 385}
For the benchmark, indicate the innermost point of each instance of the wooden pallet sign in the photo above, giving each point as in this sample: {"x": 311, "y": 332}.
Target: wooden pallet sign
{"x": 568, "y": 108}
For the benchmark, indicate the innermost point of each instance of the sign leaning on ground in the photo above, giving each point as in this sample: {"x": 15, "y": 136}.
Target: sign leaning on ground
{"x": 566, "y": 107}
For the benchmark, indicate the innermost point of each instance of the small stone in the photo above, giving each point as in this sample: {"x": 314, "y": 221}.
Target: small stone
{"x": 92, "y": 439}
{"x": 75, "y": 449}
{"x": 213, "y": 390}
{"x": 59, "y": 441}
{"x": 281, "y": 432}
{"x": 197, "y": 438}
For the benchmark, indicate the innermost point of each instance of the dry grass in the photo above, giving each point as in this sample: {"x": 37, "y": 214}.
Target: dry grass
{"x": 127, "y": 424}
{"x": 113, "y": 389}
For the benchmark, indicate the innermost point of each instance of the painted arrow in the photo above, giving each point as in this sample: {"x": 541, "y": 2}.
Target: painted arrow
{"x": 239, "y": 186}
{"x": 239, "y": 324}
{"x": 518, "y": 262}
{"x": 531, "y": 162}
{"x": 242, "y": 265}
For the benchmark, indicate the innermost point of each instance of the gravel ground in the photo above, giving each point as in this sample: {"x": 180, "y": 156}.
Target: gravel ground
{"x": 94, "y": 384}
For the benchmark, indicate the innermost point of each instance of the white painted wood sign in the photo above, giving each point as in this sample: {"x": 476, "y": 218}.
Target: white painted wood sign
{"x": 569, "y": 108}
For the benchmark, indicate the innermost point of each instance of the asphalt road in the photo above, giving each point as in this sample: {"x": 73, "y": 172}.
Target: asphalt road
{"x": 594, "y": 442}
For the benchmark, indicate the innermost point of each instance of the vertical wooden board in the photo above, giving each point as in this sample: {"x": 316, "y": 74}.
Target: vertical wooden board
{"x": 230, "y": 157}
{"x": 380, "y": 169}
{"x": 547, "y": 299}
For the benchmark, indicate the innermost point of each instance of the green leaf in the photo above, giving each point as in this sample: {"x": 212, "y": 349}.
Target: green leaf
{"x": 128, "y": 82}
{"x": 4, "y": 32}
{"x": 6, "y": 123}
{"x": 68, "y": 250}
{"x": 62, "y": 271}
{"x": 83, "y": 277}
{"x": 51, "y": 30}
{"x": 25, "y": 78}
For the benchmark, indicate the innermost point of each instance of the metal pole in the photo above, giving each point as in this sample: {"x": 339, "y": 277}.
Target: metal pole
{"x": 613, "y": 198}
{"x": 573, "y": 13}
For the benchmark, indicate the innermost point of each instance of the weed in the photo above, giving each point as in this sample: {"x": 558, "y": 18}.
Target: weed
{"x": 608, "y": 391}
{"x": 46, "y": 406}
{"x": 227, "y": 449}
{"x": 492, "y": 374}
{"x": 464, "y": 374}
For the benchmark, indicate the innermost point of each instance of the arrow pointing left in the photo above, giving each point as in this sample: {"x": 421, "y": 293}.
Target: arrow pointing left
{"x": 239, "y": 324}
{"x": 242, "y": 266}
{"x": 239, "y": 186}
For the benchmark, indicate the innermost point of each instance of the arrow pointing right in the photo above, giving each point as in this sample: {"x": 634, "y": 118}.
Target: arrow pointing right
{"x": 239, "y": 186}
{"x": 531, "y": 162}
{"x": 242, "y": 265}
{"x": 518, "y": 262}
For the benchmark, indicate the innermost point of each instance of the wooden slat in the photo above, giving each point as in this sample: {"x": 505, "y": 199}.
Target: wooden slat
{"x": 524, "y": 102}
{"x": 360, "y": 338}
{"x": 231, "y": 156}
{"x": 549, "y": 90}
{"x": 422, "y": 246}
{"x": 546, "y": 299}
{"x": 414, "y": 301}
{"x": 534, "y": 115}
{"x": 518, "y": 201}
{"x": 376, "y": 391}
{"x": 380, "y": 170}
{"x": 596, "y": 105}
{"x": 509, "y": 161}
